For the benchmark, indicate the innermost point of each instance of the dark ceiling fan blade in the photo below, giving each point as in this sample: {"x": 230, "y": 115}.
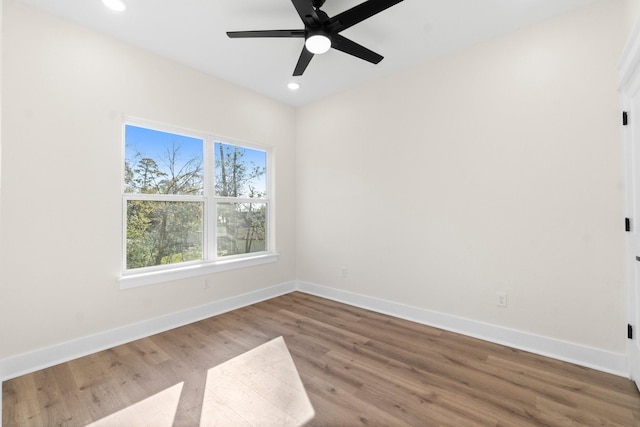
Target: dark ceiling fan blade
{"x": 318, "y": 22}
{"x": 345, "y": 45}
{"x": 359, "y": 13}
{"x": 265, "y": 33}
{"x": 306, "y": 11}
{"x": 303, "y": 61}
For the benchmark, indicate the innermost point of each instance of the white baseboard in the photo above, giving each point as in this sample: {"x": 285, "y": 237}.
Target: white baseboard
{"x": 589, "y": 357}
{"x": 601, "y": 360}
{"x": 25, "y": 363}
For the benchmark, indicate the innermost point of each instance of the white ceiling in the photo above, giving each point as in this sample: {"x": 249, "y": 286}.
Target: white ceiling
{"x": 193, "y": 32}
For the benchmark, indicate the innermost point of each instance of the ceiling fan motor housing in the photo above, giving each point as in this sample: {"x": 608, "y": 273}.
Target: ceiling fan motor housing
{"x": 318, "y": 3}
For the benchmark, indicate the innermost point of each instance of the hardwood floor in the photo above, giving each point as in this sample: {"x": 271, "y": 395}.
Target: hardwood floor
{"x": 358, "y": 368}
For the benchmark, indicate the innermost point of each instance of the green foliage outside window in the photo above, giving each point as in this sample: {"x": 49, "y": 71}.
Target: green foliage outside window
{"x": 163, "y": 232}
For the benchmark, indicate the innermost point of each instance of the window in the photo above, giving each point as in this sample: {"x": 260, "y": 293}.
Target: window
{"x": 241, "y": 203}
{"x": 192, "y": 204}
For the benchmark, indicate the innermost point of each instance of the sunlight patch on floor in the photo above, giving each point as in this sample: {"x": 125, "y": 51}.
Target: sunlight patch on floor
{"x": 158, "y": 410}
{"x": 258, "y": 388}
{"x": 261, "y": 387}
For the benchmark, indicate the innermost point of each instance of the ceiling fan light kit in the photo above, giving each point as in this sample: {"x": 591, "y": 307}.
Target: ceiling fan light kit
{"x": 318, "y": 44}
{"x": 322, "y": 32}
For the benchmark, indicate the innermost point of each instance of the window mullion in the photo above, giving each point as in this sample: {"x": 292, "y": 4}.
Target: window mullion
{"x": 210, "y": 204}
{"x": 241, "y": 200}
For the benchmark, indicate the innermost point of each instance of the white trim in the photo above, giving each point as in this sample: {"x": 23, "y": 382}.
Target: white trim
{"x": 578, "y": 354}
{"x": 156, "y": 275}
{"x": 1, "y": 44}
{"x": 629, "y": 88}
{"x": 25, "y": 363}
{"x": 630, "y": 60}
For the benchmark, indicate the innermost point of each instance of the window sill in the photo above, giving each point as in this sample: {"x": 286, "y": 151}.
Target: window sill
{"x": 134, "y": 280}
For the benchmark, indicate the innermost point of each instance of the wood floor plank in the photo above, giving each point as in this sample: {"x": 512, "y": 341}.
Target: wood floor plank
{"x": 336, "y": 407}
{"x": 420, "y": 386}
{"x": 543, "y": 379}
{"x": 359, "y": 368}
{"x": 18, "y": 403}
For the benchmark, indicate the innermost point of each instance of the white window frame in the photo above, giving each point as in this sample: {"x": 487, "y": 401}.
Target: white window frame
{"x": 211, "y": 263}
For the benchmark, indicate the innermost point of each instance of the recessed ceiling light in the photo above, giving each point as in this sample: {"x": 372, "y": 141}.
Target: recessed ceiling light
{"x": 116, "y": 5}
{"x": 293, "y": 86}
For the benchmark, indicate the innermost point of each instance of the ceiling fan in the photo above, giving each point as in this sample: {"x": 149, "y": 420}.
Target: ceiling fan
{"x": 322, "y": 32}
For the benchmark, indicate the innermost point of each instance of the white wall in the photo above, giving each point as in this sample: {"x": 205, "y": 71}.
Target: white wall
{"x": 496, "y": 168}
{"x": 632, "y": 13}
{"x": 65, "y": 90}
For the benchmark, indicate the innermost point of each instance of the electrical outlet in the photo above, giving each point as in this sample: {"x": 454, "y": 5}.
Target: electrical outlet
{"x": 344, "y": 272}
{"x": 501, "y": 299}
{"x": 207, "y": 284}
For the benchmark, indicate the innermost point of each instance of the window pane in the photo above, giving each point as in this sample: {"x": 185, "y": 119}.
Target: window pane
{"x": 241, "y": 228}
{"x": 163, "y": 232}
{"x": 239, "y": 171}
{"x": 162, "y": 163}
